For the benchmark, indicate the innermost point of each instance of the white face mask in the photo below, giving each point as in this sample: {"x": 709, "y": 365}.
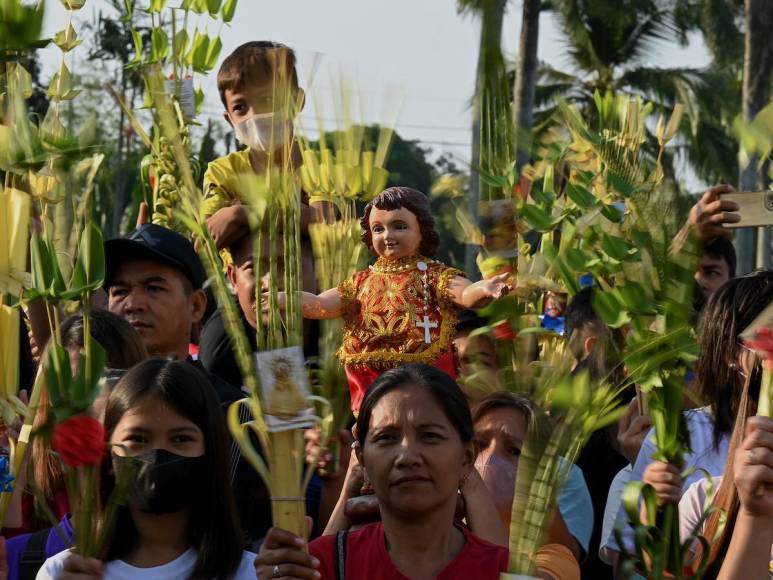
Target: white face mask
{"x": 265, "y": 132}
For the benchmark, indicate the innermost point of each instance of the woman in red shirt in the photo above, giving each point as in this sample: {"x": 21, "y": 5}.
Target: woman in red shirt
{"x": 414, "y": 440}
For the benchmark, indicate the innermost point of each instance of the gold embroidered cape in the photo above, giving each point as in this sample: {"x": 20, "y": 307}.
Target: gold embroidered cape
{"x": 382, "y": 309}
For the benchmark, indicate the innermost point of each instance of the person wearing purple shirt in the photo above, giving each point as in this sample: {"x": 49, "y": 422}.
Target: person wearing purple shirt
{"x": 25, "y": 558}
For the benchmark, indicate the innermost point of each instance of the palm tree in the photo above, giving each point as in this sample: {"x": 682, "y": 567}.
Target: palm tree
{"x": 757, "y": 71}
{"x": 526, "y": 69}
{"x": 486, "y": 100}
{"x": 609, "y": 43}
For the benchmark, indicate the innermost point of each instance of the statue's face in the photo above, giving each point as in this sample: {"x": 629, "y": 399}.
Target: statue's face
{"x": 395, "y": 233}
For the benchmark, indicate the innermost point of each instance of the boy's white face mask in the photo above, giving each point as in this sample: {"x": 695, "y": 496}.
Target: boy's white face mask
{"x": 265, "y": 132}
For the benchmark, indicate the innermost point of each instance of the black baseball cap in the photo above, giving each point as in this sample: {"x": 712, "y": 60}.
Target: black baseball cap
{"x": 154, "y": 242}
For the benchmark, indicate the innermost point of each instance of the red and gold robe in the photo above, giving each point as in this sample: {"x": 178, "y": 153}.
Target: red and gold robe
{"x": 381, "y": 310}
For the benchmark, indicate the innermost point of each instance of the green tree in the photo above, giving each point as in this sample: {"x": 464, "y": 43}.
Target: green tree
{"x": 525, "y": 85}
{"x": 112, "y": 48}
{"x": 757, "y": 74}
{"x": 609, "y": 43}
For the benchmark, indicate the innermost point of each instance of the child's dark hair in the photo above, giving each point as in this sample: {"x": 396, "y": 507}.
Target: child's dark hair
{"x": 123, "y": 346}
{"x": 242, "y": 65}
{"x": 213, "y": 529}
{"x": 441, "y": 386}
{"x": 414, "y": 201}
{"x": 721, "y": 248}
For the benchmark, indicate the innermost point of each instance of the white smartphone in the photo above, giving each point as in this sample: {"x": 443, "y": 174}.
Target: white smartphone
{"x": 754, "y": 207}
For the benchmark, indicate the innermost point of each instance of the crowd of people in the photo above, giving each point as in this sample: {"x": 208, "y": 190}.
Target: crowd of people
{"x": 424, "y": 485}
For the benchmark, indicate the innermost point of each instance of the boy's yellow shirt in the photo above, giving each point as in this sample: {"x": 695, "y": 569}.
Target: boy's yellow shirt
{"x": 227, "y": 176}
{"x": 224, "y": 179}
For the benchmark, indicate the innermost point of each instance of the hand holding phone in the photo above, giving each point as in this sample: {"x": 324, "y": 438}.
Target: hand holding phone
{"x": 711, "y": 213}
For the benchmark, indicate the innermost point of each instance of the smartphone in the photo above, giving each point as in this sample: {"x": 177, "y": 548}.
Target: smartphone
{"x": 754, "y": 207}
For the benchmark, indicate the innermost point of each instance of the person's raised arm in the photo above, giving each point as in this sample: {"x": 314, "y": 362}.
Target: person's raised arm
{"x": 748, "y": 555}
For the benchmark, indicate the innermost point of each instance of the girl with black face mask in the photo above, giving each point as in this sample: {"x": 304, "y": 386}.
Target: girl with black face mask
{"x": 164, "y": 426}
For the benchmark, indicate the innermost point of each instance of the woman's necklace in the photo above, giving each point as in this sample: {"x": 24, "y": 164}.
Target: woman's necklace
{"x": 403, "y": 265}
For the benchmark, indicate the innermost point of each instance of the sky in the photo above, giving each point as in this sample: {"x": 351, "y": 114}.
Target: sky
{"x": 421, "y": 49}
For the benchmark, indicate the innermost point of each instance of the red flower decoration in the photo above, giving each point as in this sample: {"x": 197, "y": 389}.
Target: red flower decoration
{"x": 503, "y": 331}
{"x": 79, "y": 440}
{"x": 763, "y": 344}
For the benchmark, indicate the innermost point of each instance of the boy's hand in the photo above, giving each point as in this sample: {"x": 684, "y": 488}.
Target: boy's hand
{"x": 227, "y": 225}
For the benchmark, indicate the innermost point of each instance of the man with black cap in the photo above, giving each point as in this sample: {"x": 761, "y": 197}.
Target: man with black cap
{"x": 153, "y": 281}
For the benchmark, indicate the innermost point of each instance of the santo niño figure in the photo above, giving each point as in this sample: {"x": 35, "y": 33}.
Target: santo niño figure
{"x": 403, "y": 308}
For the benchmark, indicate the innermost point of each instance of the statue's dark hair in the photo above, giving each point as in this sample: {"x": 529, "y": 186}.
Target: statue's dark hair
{"x": 414, "y": 201}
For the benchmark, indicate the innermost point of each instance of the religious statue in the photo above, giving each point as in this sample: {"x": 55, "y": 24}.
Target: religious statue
{"x": 403, "y": 308}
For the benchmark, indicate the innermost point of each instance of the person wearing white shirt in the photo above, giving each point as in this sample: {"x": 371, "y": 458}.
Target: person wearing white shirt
{"x": 167, "y": 435}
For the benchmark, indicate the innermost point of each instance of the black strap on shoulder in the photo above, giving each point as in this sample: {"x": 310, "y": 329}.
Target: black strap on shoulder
{"x": 34, "y": 555}
{"x": 340, "y": 554}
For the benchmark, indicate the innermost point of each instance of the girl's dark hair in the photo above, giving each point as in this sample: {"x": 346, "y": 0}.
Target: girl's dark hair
{"x": 729, "y": 311}
{"x": 442, "y": 387}
{"x": 503, "y": 400}
{"x": 414, "y": 201}
{"x": 213, "y": 529}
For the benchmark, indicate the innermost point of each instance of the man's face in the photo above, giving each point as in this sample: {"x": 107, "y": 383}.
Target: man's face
{"x": 475, "y": 353}
{"x": 152, "y": 297}
{"x": 477, "y": 359}
{"x": 712, "y": 273}
{"x": 241, "y": 273}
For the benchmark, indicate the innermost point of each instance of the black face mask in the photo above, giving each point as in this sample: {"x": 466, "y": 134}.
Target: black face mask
{"x": 164, "y": 482}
